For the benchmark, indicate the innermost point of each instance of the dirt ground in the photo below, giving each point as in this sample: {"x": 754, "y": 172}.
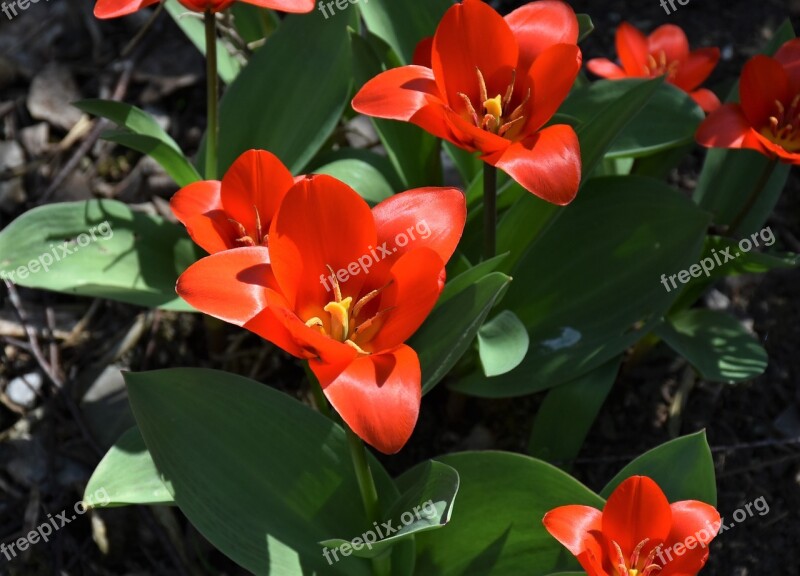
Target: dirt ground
{"x": 56, "y": 52}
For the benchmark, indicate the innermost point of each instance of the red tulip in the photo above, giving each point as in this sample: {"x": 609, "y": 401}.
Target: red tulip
{"x": 664, "y": 52}
{"x": 491, "y": 87}
{"x": 237, "y": 211}
{"x": 768, "y": 117}
{"x": 343, "y": 286}
{"x": 638, "y": 533}
{"x": 116, "y": 8}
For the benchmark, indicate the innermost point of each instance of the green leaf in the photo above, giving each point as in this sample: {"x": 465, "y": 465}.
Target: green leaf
{"x": 502, "y": 534}
{"x": 716, "y": 344}
{"x": 568, "y": 413}
{"x": 426, "y": 504}
{"x": 751, "y": 262}
{"x": 620, "y": 235}
{"x": 502, "y": 343}
{"x": 585, "y": 26}
{"x": 192, "y": 25}
{"x": 174, "y": 163}
{"x": 261, "y": 476}
{"x": 127, "y": 475}
{"x": 683, "y": 468}
{"x": 521, "y": 224}
{"x": 134, "y": 257}
{"x": 291, "y": 95}
{"x": 126, "y": 116}
{"x": 660, "y": 116}
{"x": 401, "y": 28}
{"x": 450, "y": 329}
{"x": 361, "y": 177}
{"x": 469, "y": 277}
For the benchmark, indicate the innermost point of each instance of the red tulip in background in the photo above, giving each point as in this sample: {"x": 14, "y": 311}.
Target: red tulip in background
{"x": 237, "y": 211}
{"x": 638, "y": 533}
{"x": 116, "y": 8}
{"x": 492, "y": 85}
{"x": 767, "y": 119}
{"x": 665, "y": 51}
{"x": 342, "y": 286}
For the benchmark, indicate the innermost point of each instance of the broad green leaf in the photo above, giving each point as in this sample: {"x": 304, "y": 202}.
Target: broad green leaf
{"x": 192, "y": 25}
{"x": 126, "y": 475}
{"x": 521, "y": 224}
{"x": 683, "y": 468}
{"x": 468, "y": 164}
{"x": 568, "y": 413}
{"x": 377, "y": 161}
{"x": 451, "y": 327}
{"x": 585, "y": 26}
{"x": 659, "y": 120}
{"x": 291, "y": 95}
{"x": 260, "y": 475}
{"x": 502, "y": 534}
{"x": 98, "y": 248}
{"x": 361, "y": 177}
{"x": 469, "y": 277}
{"x": 716, "y": 344}
{"x": 502, "y": 343}
{"x": 426, "y": 504}
{"x": 401, "y": 27}
{"x": 620, "y": 235}
{"x": 752, "y": 262}
{"x": 254, "y": 23}
{"x": 174, "y": 163}
{"x": 126, "y": 116}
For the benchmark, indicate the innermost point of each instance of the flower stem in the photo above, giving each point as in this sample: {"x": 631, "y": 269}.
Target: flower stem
{"x": 212, "y": 89}
{"x": 316, "y": 391}
{"x": 489, "y": 210}
{"x": 766, "y": 174}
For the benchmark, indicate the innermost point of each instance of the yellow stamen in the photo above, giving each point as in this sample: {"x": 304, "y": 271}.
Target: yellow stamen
{"x": 340, "y": 318}
{"x": 494, "y": 106}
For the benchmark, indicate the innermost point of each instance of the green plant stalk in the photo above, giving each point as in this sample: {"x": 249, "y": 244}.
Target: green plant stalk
{"x": 733, "y": 229}
{"x": 316, "y": 391}
{"x": 489, "y": 211}
{"x": 212, "y": 89}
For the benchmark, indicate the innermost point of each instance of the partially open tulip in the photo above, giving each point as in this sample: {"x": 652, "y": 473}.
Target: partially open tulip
{"x": 638, "y": 532}
{"x": 343, "y": 287}
{"x": 116, "y": 8}
{"x": 664, "y": 52}
{"x": 492, "y": 85}
{"x": 238, "y": 210}
{"x": 767, "y": 119}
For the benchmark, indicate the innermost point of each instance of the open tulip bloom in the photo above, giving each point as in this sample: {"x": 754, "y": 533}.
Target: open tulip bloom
{"x": 493, "y": 85}
{"x": 343, "y": 287}
{"x": 665, "y": 52}
{"x": 767, "y": 119}
{"x": 638, "y": 533}
{"x": 117, "y": 8}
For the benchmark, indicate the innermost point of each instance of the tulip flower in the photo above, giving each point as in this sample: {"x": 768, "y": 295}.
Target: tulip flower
{"x": 343, "y": 287}
{"x": 237, "y": 211}
{"x": 664, "y": 52}
{"x": 116, "y": 8}
{"x": 767, "y": 119}
{"x": 638, "y": 532}
{"x": 492, "y": 85}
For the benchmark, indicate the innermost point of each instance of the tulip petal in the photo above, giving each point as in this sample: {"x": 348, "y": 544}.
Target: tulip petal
{"x": 552, "y": 76}
{"x": 671, "y": 40}
{"x": 229, "y": 285}
{"x": 772, "y": 149}
{"x": 540, "y": 25}
{"x": 632, "y": 50}
{"x": 694, "y": 525}
{"x": 470, "y": 35}
{"x": 321, "y": 223}
{"x": 199, "y": 208}
{"x": 295, "y": 6}
{"x": 696, "y": 68}
{"x": 605, "y": 68}
{"x": 789, "y": 57}
{"x": 706, "y": 99}
{"x": 423, "y": 53}
{"x": 763, "y": 82}
{"x": 378, "y": 396}
{"x": 548, "y": 164}
{"x": 573, "y": 526}
{"x": 637, "y": 509}
{"x": 727, "y": 127}
{"x": 115, "y": 8}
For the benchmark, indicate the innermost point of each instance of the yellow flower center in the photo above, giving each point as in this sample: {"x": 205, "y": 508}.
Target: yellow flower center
{"x": 637, "y": 565}
{"x": 784, "y": 127}
{"x": 659, "y": 66}
{"x": 491, "y": 117}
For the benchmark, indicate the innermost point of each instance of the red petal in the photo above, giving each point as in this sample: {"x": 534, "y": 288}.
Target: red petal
{"x": 605, "y": 68}
{"x": 470, "y": 35}
{"x": 789, "y": 57}
{"x": 229, "y": 285}
{"x": 198, "y": 207}
{"x": 671, "y": 40}
{"x": 706, "y": 99}
{"x": 632, "y": 50}
{"x": 696, "y": 68}
{"x": 408, "y": 93}
{"x": 296, "y": 6}
{"x": 378, "y": 396}
{"x": 256, "y": 181}
{"x": 552, "y": 76}
{"x": 727, "y": 127}
{"x": 540, "y": 25}
{"x": 548, "y": 164}
{"x": 423, "y": 53}
{"x": 694, "y": 525}
{"x": 322, "y": 222}
{"x": 763, "y": 82}
{"x": 573, "y": 526}
{"x": 636, "y": 510}
{"x": 771, "y": 149}
{"x": 115, "y": 8}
